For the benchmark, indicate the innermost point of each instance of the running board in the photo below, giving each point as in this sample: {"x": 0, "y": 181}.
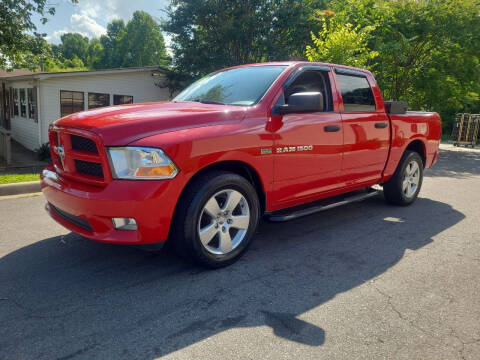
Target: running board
{"x": 327, "y": 204}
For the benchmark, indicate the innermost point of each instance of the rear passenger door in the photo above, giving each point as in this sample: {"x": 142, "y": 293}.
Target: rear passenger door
{"x": 366, "y": 133}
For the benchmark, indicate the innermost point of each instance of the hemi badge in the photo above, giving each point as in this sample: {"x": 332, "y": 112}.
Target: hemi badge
{"x": 265, "y": 151}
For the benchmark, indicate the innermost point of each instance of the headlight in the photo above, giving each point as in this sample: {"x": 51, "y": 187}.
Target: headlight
{"x": 140, "y": 163}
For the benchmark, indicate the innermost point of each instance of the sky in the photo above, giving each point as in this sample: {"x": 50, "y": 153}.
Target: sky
{"x": 90, "y": 17}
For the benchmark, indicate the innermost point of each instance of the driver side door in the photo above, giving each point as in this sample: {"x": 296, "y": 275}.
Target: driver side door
{"x": 308, "y": 146}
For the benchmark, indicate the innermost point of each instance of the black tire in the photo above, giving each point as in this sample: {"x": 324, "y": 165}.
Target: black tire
{"x": 393, "y": 189}
{"x": 190, "y": 213}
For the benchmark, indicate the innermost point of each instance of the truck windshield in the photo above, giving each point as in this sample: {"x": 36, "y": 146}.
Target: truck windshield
{"x": 241, "y": 86}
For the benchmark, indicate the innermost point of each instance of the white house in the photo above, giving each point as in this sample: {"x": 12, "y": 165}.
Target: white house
{"x": 31, "y": 102}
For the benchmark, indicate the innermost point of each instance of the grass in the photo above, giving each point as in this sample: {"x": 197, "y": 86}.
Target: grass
{"x": 16, "y": 178}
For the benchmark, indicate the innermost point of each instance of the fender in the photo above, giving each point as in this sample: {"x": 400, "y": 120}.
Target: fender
{"x": 424, "y": 127}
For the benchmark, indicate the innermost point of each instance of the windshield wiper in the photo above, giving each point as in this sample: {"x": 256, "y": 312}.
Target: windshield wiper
{"x": 203, "y": 101}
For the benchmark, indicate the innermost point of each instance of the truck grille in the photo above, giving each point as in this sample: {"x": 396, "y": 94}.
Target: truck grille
{"x": 81, "y": 143}
{"x": 73, "y": 219}
{"x": 79, "y": 155}
{"x": 89, "y": 168}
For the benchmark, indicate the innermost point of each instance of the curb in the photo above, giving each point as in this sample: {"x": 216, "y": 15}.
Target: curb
{"x": 20, "y": 188}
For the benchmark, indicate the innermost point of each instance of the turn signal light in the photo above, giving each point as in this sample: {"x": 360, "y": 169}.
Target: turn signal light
{"x": 155, "y": 171}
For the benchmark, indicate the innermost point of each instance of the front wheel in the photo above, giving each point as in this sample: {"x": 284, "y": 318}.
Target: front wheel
{"x": 216, "y": 219}
{"x": 403, "y": 188}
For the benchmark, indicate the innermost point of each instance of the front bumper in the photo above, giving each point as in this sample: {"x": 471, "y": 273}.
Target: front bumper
{"x": 88, "y": 210}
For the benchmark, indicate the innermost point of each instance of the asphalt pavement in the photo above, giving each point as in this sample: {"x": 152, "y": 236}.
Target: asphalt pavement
{"x": 364, "y": 281}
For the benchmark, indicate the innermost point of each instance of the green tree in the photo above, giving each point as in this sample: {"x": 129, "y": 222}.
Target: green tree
{"x": 33, "y": 58}
{"x": 428, "y": 51}
{"x": 111, "y": 56}
{"x": 95, "y": 54}
{"x": 207, "y": 35}
{"x": 74, "y": 44}
{"x": 41, "y": 57}
{"x": 56, "y": 65}
{"x": 141, "y": 43}
{"x": 15, "y": 25}
{"x": 341, "y": 44}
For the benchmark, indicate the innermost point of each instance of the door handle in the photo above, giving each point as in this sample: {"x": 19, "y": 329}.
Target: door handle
{"x": 331, "y": 128}
{"x": 381, "y": 125}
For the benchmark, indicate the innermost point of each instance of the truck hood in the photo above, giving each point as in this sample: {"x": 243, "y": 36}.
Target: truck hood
{"x": 123, "y": 124}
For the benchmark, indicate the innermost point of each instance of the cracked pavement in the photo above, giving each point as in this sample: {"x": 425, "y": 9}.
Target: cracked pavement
{"x": 364, "y": 281}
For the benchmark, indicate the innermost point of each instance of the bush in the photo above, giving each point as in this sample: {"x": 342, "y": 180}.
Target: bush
{"x": 43, "y": 152}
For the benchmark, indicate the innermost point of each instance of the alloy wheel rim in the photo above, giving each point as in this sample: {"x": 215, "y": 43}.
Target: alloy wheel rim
{"x": 411, "y": 179}
{"x": 224, "y": 222}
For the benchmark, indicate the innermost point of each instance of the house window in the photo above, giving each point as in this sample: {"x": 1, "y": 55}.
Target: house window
{"x": 32, "y": 104}
{"x": 71, "y": 102}
{"x": 96, "y": 100}
{"x": 23, "y": 103}
{"x": 16, "y": 103}
{"x": 7, "y": 102}
{"x": 122, "y": 99}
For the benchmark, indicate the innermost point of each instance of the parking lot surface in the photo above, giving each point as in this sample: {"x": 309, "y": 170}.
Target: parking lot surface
{"x": 364, "y": 281}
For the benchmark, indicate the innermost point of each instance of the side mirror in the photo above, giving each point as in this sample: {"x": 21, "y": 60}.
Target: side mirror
{"x": 300, "y": 103}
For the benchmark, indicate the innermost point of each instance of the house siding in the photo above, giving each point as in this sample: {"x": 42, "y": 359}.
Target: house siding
{"x": 141, "y": 85}
{"x": 24, "y": 130}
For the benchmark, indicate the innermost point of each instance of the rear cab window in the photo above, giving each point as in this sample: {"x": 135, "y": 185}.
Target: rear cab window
{"x": 356, "y": 92}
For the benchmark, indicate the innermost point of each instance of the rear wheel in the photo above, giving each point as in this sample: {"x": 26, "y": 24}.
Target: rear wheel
{"x": 216, "y": 219}
{"x": 404, "y": 186}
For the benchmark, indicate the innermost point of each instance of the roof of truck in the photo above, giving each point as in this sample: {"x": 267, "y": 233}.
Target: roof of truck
{"x": 300, "y": 63}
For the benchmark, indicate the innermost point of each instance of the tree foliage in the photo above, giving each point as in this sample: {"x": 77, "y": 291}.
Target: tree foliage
{"x": 341, "y": 44}
{"x": 138, "y": 43}
{"x": 74, "y": 44}
{"x": 111, "y": 56}
{"x": 42, "y": 56}
{"x": 142, "y": 42}
{"x": 427, "y": 52}
{"x": 15, "y": 24}
{"x": 210, "y": 34}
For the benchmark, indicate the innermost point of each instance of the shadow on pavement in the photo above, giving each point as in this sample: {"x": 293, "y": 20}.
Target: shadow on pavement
{"x": 67, "y": 297}
{"x": 459, "y": 164}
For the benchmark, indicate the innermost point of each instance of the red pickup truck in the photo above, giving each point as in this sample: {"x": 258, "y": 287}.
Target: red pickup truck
{"x": 281, "y": 140}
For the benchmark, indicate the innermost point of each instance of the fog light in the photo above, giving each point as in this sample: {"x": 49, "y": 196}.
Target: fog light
{"x": 124, "y": 223}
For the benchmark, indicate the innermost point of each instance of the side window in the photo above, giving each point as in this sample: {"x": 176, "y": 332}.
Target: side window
{"x": 70, "y": 102}
{"x": 32, "y": 103}
{"x": 23, "y": 103}
{"x": 16, "y": 102}
{"x": 312, "y": 80}
{"x": 96, "y": 100}
{"x": 122, "y": 99}
{"x": 356, "y": 93}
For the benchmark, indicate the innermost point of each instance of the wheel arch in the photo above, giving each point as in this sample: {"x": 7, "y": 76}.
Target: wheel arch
{"x": 237, "y": 167}
{"x": 419, "y": 147}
